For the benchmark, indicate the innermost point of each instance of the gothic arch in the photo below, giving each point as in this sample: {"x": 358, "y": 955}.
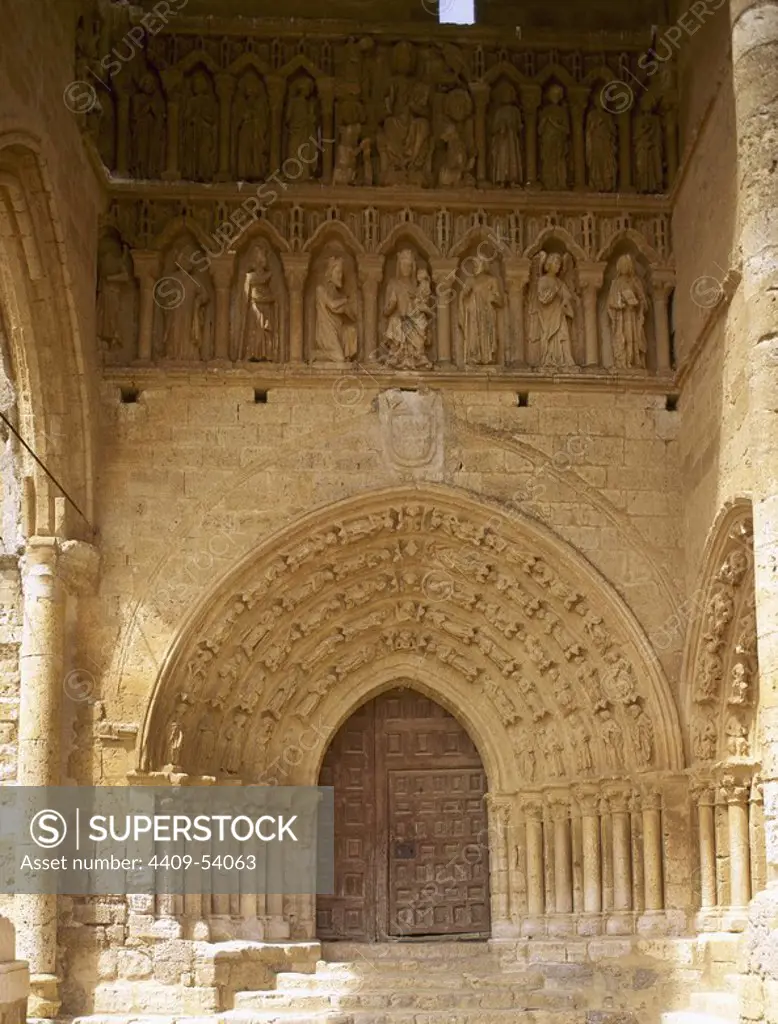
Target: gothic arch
{"x": 502, "y": 622}
{"x": 561, "y": 235}
{"x": 43, "y": 337}
{"x": 636, "y": 239}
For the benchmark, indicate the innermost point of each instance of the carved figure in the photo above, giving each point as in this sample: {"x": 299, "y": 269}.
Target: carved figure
{"x": 404, "y": 139}
{"x": 552, "y": 309}
{"x": 507, "y": 167}
{"x": 115, "y": 281}
{"x": 175, "y": 743}
{"x": 302, "y": 125}
{"x": 456, "y": 136}
{"x": 704, "y": 738}
{"x": 351, "y": 146}
{"x": 554, "y": 131}
{"x": 147, "y": 140}
{"x": 613, "y": 740}
{"x": 199, "y": 129}
{"x": 187, "y": 326}
{"x": 259, "y": 320}
{"x": 336, "y": 329}
{"x": 737, "y": 737}
{"x": 649, "y": 169}
{"x": 250, "y": 127}
{"x": 601, "y": 148}
{"x": 408, "y": 310}
{"x": 642, "y": 736}
{"x": 740, "y": 684}
{"x": 627, "y": 307}
{"x": 479, "y": 301}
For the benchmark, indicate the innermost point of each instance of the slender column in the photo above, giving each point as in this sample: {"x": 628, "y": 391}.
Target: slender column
{"x": 222, "y": 270}
{"x": 704, "y": 799}
{"x": 638, "y": 860}
{"x": 277, "y": 923}
{"x": 622, "y": 865}
{"x": 755, "y": 86}
{"x": 225, "y": 89}
{"x": 173, "y": 82}
{"x": 606, "y": 851}
{"x": 591, "y": 277}
{"x": 588, "y": 800}
{"x": 499, "y": 808}
{"x": 371, "y": 269}
{"x": 756, "y": 837}
{"x": 444, "y": 275}
{"x": 122, "y": 131}
{"x": 530, "y": 100}
{"x": 146, "y": 264}
{"x": 579, "y": 100}
{"x": 276, "y": 89}
{"x": 577, "y": 845}
{"x": 563, "y": 867}
{"x": 625, "y": 151}
{"x": 296, "y": 270}
{"x": 736, "y": 793}
{"x": 480, "y": 93}
{"x": 662, "y": 283}
{"x": 652, "y": 850}
{"x": 517, "y": 276}
{"x": 327, "y": 98}
{"x": 533, "y": 813}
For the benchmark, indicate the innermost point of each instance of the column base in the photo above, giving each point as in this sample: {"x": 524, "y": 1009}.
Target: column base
{"x": 561, "y": 924}
{"x": 653, "y": 922}
{"x": 44, "y": 1001}
{"x": 620, "y": 922}
{"x": 505, "y": 930}
{"x": 590, "y": 924}
{"x": 532, "y": 927}
{"x": 276, "y": 928}
{"x": 734, "y": 919}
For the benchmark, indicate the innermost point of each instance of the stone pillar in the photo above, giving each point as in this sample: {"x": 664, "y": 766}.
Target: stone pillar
{"x": 444, "y": 276}
{"x": 736, "y": 793}
{"x": 756, "y": 837}
{"x": 276, "y": 91}
{"x": 225, "y": 89}
{"x": 618, "y": 801}
{"x": 480, "y": 93}
{"x": 371, "y": 269}
{"x": 579, "y": 101}
{"x": 653, "y": 891}
{"x": 704, "y": 799}
{"x": 588, "y": 801}
{"x": 638, "y": 862}
{"x": 52, "y": 569}
{"x": 577, "y": 848}
{"x": 516, "y": 276}
{"x": 222, "y": 270}
{"x": 606, "y": 852}
{"x": 563, "y": 861}
{"x": 500, "y": 808}
{"x": 296, "y": 271}
{"x": 530, "y": 101}
{"x": 173, "y": 82}
{"x": 146, "y": 264}
{"x": 591, "y": 277}
{"x": 327, "y": 98}
{"x": 533, "y": 823}
{"x": 755, "y": 80}
{"x": 662, "y": 283}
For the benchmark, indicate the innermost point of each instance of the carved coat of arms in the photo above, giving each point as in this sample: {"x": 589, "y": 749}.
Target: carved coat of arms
{"x": 412, "y": 430}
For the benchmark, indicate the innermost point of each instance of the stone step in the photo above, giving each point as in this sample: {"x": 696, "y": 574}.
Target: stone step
{"x": 279, "y": 1016}
{"x": 724, "y": 1004}
{"x": 353, "y": 977}
{"x": 696, "y": 1017}
{"x": 473, "y": 1017}
{"x": 435, "y": 950}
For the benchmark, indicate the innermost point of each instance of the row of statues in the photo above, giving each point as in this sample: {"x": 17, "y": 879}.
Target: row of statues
{"x": 419, "y": 136}
{"x": 408, "y": 323}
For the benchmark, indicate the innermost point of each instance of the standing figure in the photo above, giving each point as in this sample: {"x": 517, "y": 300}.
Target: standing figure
{"x": 114, "y": 282}
{"x": 259, "y": 322}
{"x": 601, "y": 148}
{"x": 302, "y": 123}
{"x": 649, "y": 168}
{"x": 351, "y": 146}
{"x": 456, "y": 134}
{"x": 627, "y": 308}
{"x": 505, "y": 148}
{"x": 336, "y": 329}
{"x": 479, "y": 303}
{"x": 250, "y": 128}
{"x": 552, "y": 312}
{"x": 147, "y": 140}
{"x": 187, "y": 326}
{"x": 199, "y": 130}
{"x": 408, "y": 309}
{"x": 404, "y": 139}
{"x": 554, "y": 130}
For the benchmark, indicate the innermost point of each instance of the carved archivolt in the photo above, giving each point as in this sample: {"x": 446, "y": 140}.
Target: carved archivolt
{"x": 549, "y": 656}
{"x": 722, "y": 667}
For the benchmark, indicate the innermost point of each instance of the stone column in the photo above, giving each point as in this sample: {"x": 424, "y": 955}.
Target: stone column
{"x": 173, "y": 82}
{"x": 327, "y": 98}
{"x": 530, "y": 101}
{"x": 146, "y": 264}
{"x": 662, "y": 283}
{"x": 52, "y": 570}
{"x": 533, "y": 823}
{"x": 516, "y": 276}
{"x": 276, "y": 91}
{"x": 222, "y": 270}
{"x": 563, "y": 863}
{"x": 756, "y": 837}
{"x": 296, "y": 271}
{"x": 625, "y": 150}
{"x": 704, "y": 799}
{"x": 606, "y": 852}
{"x": 736, "y": 794}
{"x": 577, "y": 846}
{"x": 591, "y": 277}
{"x": 755, "y": 80}
{"x": 480, "y": 93}
{"x": 371, "y": 269}
{"x": 579, "y": 101}
{"x": 444, "y": 276}
{"x": 618, "y": 801}
{"x": 638, "y": 861}
{"x": 499, "y": 808}
{"x": 588, "y": 801}
{"x": 652, "y": 850}
{"x": 225, "y": 89}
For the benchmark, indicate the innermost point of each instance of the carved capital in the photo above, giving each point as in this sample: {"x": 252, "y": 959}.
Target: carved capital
{"x": 591, "y": 275}
{"x": 225, "y": 85}
{"x": 618, "y": 800}
{"x": 662, "y": 282}
{"x": 296, "y": 267}
{"x": 172, "y": 80}
{"x": 443, "y": 269}
{"x": 559, "y": 805}
{"x": 222, "y": 270}
{"x": 651, "y": 798}
{"x": 579, "y": 99}
{"x": 517, "y": 270}
{"x": 500, "y": 808}
{"x": 531, "y": 96}
{"x": 74, "y": 563}
{"x": 734, "y": 789}
{"x": 146, "y": 263}
{"x": 532, "y": 807}
{"x": 703, "y": 793}
{"x": 371, "y": 269}
{"x": 276, "y": 87}
{"x": 588, "y": 798}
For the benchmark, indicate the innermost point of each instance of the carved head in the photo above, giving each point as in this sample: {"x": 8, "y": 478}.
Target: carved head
{"x": 552, "y": 263}
{"x": 250, "y": 85}
{"x": 335, "y": 271}
{"x": 303, "y": 87}
{"x": 147, "y": 84}
{"x": 505, "y": 94}
{"x": 199, "y": 83}
{"x": 555, "y": 93}
{"x": 260, "y": 258}
{"x": 403, "y": 58}
{"x": 406, "y": 263}
{"x": 624, "y": 266}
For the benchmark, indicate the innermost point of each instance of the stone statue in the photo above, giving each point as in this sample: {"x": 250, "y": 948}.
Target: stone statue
{"x": 351, "y": 146}
{"x": 456, "y": 136}
{"x": 554, "y": 131}
{"x": 408, "y": 307}
{"x": 199, "y": 129}
{"x": 642, "y": 729}
{"x": 115, "y": 283}
{"x": 479, "y": 303}
{"x": 704, "y": 738}
{"x": 336, "y": 328}
{"x": 552, "y": 309}
{"x": 601, "y": 148}
{"x": 627, "y": 308}
{"x": 259, "y": 319}
{"x": 737, "y": 737}
{"x": 250, "y": 128}
{"x": 302, "y": 127}
{"x": 175, "y": 743}
{"x": 649, "y": 169}
{"x": 147, "y": 140}
{"x": 505, "y": 142}
{"x": 404, "y": 139}
{"x": 188, "y": 325}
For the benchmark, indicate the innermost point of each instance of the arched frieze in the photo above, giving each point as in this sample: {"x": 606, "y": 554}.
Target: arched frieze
{"x": 530, "y": 640}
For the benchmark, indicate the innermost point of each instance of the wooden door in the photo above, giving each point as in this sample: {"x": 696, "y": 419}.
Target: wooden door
{"x": 411, "y": 856}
